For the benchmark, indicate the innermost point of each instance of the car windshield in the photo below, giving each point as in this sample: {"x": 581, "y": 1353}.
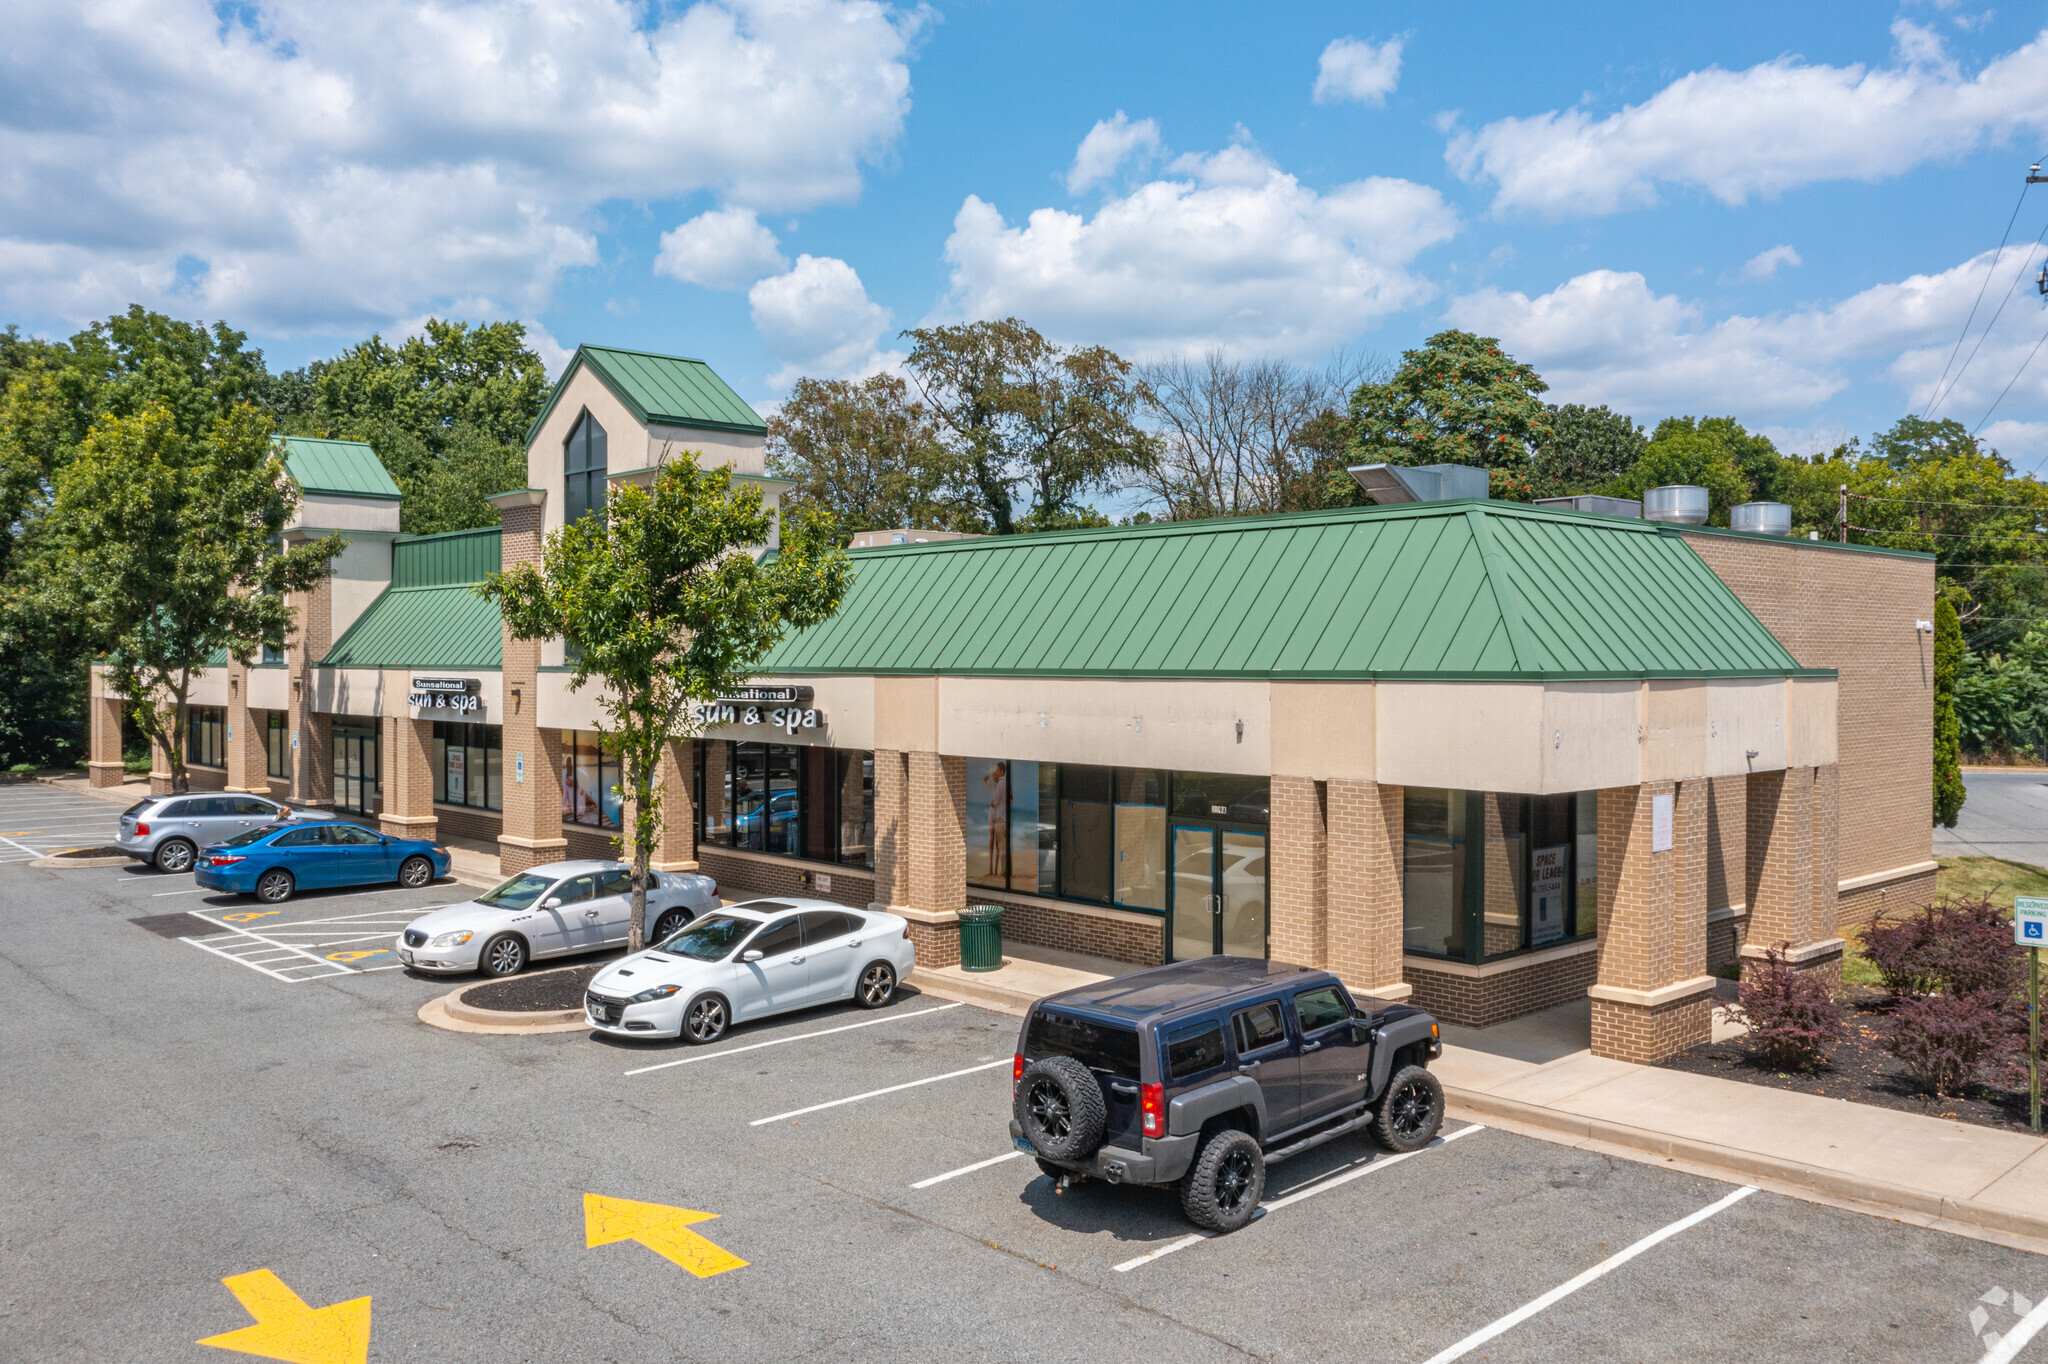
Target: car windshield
{"x": 248, "y": 836}
{"x": 518, "y": 893}
{"x": 710, "y": 938}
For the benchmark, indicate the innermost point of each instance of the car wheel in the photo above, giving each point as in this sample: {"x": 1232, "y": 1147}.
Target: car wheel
{"x": 504, "y": 955}
{"x": 415, "y": 872}
{"x": 1411, "y": 1110}
{"x": 705, "y": 1020}
{"x": 1059, "y": 1106}
{"x": 275, "y": 886}
{"x": 876, "y": 986}
{"x": 1221, "y": 1191}
{"x": 670, "y": 924}
{"x": 175, "y": 855}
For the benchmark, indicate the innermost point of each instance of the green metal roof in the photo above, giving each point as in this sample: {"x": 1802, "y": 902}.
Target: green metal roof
{"x": 451, "y": 558}
{"x": 347, "y": 468}
{"x": 665, "y": 390}
{"x": 1441, "y": 590}
{"x": 422, "y": 627}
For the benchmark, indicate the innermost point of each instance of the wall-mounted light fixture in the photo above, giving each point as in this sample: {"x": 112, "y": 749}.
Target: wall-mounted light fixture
{"x": 1925, "y": 627}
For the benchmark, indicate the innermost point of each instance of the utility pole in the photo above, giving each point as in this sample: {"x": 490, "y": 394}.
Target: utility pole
{"x": 1842, "y": 518}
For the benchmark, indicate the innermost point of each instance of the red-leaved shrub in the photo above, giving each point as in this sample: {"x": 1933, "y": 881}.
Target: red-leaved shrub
{"x": 1791, "y": 1016}
{"x": 1945, "y": 1040}
{"x": 1960, "y": 947}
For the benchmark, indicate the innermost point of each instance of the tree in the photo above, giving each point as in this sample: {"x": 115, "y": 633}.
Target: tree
{"x": 1587, "y": 447}
{"x": 867, "y": 455}
{"x": 165, "y": 555}
{"x": 1753, "y": 456}
{"x": 1237, "y": 437}
{"x": 662, "y": 601}
{"x": 1687, "y": 457}
{"x": 1949, "y": 794}
{"x": 1460, "y": 399}
{"x": 1022, "y": 415}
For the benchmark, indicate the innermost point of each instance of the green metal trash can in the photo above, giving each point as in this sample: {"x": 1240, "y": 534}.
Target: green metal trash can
{"x": 981, "y": 938}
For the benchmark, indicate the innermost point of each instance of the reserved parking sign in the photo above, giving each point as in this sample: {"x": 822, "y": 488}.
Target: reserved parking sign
{"x": 2030, "y": 920}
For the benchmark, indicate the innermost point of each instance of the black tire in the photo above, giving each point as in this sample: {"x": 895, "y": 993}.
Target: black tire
{"x": 504, "y": 955}
{"x": 415, "y": 872}
{"x": 876, "y": 986}
{"x": 174, "y": 855}
{"x": 1222, "y": 1189}
{"x": 706, "y": 1019}
{"x": 275, "y": 886}
{"x": 1059, "y": 1105}
{"x": 1411, "y": 1110}
{"x": 669, "y": 924}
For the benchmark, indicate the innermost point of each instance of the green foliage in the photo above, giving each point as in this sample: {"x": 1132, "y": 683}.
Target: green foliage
{"x": 1022, "y": 418}
{"x": 1687, "y": 457}
{"x": 1587, "y": 447}
{"x": 1458, "y": 400}
{"x": 1915, "y": 440}
{"x": 2001, "y": 698}
{"x": 868, "y": 456}
{"x": 162, "y": 552}
{"x": 1762, "y": 468}
{"x": 1948, "y": 657}
{"x": 661, "y": 601}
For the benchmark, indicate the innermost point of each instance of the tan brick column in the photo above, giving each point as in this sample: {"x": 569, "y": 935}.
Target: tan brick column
{"x": 406, "y": 762}
{"x": 1791, "y": 870}
{"x": 248, "y": 759}
{"x": 313, "y": 754}
{"x": 532, "y": 829}
{"x": 892, "y": 855}
{"x": 937, "y": 824}
{"x": 103, "y": 765}
{"x": 676, "y": 847}
{"x": 160, "y": 760}
{"x": 1363, "y": 886}
{"x": 1298, "y": 856}
{"x": 1654, "y": 997}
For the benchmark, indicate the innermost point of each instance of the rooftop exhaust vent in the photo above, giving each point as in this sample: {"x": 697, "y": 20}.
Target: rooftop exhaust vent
{"x": 1678, "y": 503}
{"x": 1761, "y": 518}
{"x": 1593, "y": 502}
{"x": 1390, "y": 484}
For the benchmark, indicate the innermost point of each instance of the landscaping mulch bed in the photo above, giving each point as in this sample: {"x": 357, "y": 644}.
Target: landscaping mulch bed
{"x": 538, "y": 992}
{"x": 1862, "y": 1071}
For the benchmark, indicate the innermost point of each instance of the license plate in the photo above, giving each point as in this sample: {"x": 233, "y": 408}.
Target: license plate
{"x": 1023, "y": 1144}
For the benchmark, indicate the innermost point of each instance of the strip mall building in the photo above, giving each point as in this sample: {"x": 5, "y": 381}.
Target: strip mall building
{"x": 1496, "y": 756}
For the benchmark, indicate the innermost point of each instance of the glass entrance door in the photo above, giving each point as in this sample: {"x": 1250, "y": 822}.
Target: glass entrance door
{"x": 1219, "y": 893}
{"x": 355, "y": 769}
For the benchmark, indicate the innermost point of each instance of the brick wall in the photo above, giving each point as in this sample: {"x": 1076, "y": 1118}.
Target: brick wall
{"x": 1364, "y": 882}
{"x": 1727, "y": 841}
{"x": 1140, "y": 941}
{"x": 1480, "y": 1001}
{"x": 1299, "y": 925}
{"x": 892, "y": 849}
{"x": 739, "y": 876}
{"x": 531, "y": 831}
{"x": 104, "y": 742}
{"x": 459, "y": 821}
{"x": 1646, "y": 1036}
{"x": 582, "y": 841}
{"x": 935, "y": 832}
{"x": 1653, "y": 921}
{"x": 406, "y": 774}
{"x": 246, "y": 753}
{"x": 1857, "y": 907}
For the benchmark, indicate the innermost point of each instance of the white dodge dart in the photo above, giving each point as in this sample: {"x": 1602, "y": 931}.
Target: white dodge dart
{"x": 555, "y": 910}
{"x": 750, "y": 960}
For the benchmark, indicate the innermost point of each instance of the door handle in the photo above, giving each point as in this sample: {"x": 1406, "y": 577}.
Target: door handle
{"x": 796, "y": 961}
{"x": 1249, "y": 1065}
{"x": 590, "y": 914}
{"x": 854, "y": 943}
{"x": 1311, "y": 1046}
{"x": 1215, "y": 904}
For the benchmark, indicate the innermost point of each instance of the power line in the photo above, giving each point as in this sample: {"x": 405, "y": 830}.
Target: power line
{"x": 1964, "y": 334}
{"x": 1988, "y": 326}
{"x": 1947, "y": 535}
{"x": 2008, "y": 385}
{"x": 1929, "y": 502}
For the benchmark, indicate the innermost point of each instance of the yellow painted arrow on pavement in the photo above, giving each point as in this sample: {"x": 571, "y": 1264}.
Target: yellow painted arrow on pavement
{"x": 289, "y": 1330}
{"x": 662, "y": 1229}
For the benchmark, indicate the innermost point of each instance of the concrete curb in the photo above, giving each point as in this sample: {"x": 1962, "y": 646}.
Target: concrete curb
{"x": 448, "y": 1013}
{"x": 1796, "y": 1178}
{"x": 61, "y": 863}
{"x": 967, "y": 991}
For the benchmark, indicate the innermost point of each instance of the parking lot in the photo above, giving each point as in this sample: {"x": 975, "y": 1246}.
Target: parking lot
{"x": 187, "y": 1108}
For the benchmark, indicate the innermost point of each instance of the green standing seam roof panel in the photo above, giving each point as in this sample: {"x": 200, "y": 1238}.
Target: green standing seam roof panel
{"x": 665, "y": 390}
{"x": 423, "y": 627}
{"x": 445, "y": 560}
{"x": 347, "y": 468}
{"x": 1443, "y": 590}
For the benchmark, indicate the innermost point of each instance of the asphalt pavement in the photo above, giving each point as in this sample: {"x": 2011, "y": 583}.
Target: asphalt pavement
{"x": 176, "y": 1117}
{"x": 2006, "y": 816}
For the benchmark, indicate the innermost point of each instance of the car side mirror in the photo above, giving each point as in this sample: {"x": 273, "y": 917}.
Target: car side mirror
{"x": 552, "y": 902}
{"x": 750, "y": 955}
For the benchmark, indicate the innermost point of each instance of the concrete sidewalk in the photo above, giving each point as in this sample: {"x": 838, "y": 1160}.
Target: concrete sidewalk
{"x": 1538, "y": 1077}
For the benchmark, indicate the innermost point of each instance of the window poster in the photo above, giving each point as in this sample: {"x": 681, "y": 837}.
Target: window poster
{"x": 1547, "y": 874}
{"x": 457, "y": 790}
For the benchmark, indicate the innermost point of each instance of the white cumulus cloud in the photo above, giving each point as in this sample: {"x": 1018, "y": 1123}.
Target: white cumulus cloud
{"x": 1737, "y": 135}
{"x": 818, "y": 320}
{"x": 1108, "y": 145}
{"x": 1232, "y": 253}
{"x": 306, "y": 166}
{"x": 1359, "y": 70}
{"x": 720, "y": 249}
{"x": 1766, "y": 264}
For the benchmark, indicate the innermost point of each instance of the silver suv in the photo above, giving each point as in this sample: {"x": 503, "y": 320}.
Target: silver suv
{"x": 169, "y": 831}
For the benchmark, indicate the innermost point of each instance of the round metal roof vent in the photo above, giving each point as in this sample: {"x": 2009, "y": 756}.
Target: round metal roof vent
{"x": 1680, "y": 503}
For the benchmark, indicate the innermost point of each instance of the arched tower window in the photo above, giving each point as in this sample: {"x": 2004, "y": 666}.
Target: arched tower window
{"x": 583, "y": 462}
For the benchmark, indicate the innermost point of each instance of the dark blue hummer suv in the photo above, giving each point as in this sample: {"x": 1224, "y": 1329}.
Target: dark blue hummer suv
{"x": 1204, "y": 1072}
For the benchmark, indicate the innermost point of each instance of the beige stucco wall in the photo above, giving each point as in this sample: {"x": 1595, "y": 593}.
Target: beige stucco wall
{"x": 560, "y": 708}
{"x": 361, "y": 573}
{"x": 1129, "y": 723}
{"x": 319, "y": 513}
{"x": 1323, "y": 730}
{"x": 270, "y": 688}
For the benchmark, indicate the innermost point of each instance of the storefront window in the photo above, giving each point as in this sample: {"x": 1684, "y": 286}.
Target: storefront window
{"x": 276, "y": 744}
{"x": 204, "y": 746}
{"x": 787, "y": 800}
{"x": 1140, "y": 838}
{"x": 1488, "y": 874}
{"x": 590, "y": 781}
{"x": 1086, "y": 832}
{"x": 856, "y": 797}
{"x": 988, "y": 823}
{"x": 469, "y": 765}
{"x": 355, "y": 766}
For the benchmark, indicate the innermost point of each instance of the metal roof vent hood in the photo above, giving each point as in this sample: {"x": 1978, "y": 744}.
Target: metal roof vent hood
{"x": 1679, "y": 503}
{"x": 1761, "y": 518}
{"x": 1594, "y": 502}
{"x": 1389, "y": 484}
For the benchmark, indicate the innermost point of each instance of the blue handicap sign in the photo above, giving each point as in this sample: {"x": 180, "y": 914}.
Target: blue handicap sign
{"x": 2033, "y": 930}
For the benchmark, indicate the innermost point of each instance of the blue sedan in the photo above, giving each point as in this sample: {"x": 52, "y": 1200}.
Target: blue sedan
{"x": 277, "y": 860}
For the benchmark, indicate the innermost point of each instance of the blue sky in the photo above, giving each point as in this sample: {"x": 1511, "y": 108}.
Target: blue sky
{"x": 1776, "y": 211}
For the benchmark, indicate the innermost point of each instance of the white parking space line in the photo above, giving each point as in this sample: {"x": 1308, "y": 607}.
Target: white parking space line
{"x": 877, "y": 1093}
{"x": 1606, "y": 1266}
{"x": 966, "y": 1169}
{"x": 2013, "y": 1341}
{"x": 158, "y": 895}
{"x": 1274, "y": 1204}
{"x": 778, "y": 1041}
{"x": 32, "y": 852}
{"x": 209, "y": 945}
